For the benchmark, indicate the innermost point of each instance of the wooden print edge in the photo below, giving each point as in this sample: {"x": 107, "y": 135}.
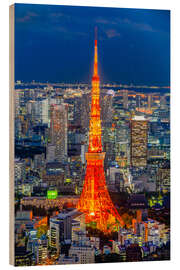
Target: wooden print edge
{"x": 11, "y": 134}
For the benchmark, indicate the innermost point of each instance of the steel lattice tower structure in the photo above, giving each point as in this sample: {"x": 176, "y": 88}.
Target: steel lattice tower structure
{"x": 95, "y": 200}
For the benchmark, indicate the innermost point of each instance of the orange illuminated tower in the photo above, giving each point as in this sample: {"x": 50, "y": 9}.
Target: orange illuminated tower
{"x": 95, "y": 200}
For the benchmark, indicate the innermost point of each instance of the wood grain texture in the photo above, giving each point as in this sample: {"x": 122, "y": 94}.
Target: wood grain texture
{"x": 11, "y": 135}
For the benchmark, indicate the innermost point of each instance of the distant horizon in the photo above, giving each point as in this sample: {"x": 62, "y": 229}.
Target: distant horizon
{"x": 102, "y": 83}
{"x": 56, "y": 44}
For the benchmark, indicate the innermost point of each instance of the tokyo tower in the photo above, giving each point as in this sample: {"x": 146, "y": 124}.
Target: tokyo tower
{"x": 95, "y": 200}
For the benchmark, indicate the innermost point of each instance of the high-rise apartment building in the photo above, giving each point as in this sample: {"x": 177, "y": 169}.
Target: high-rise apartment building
{"x": 139, "y": 137}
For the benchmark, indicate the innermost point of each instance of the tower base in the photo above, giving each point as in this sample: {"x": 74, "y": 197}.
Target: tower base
{"x": 95, "y": 201}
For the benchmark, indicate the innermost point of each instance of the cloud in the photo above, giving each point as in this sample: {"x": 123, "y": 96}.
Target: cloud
{"x": 139, "y": 26}
{"x": 27, "y": 17}
{"x": 105, "y": 21}
{"x": 126, "y": 21}
{"x": 145, "y": 27}
{"x": 68, "y": 33}
{"x": 56, "y": 14}
{"x": 111, "y": 33}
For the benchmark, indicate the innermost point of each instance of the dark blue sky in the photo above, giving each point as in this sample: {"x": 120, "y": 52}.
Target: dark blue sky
{"x": 55, "y": 44}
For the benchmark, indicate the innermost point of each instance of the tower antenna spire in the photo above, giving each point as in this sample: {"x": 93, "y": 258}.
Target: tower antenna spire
{"x": 95, "y": 55}
{"x": 95, "y": 32}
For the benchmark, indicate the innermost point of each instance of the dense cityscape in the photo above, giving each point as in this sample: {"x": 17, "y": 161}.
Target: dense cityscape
{"x": 50, "y": 169}
{"x": 91, "y": 135}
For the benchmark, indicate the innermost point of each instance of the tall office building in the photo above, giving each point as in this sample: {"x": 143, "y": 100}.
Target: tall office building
{"x": 19, "y": 170}
{"x": 39, "y": 110}
{"x": 77, "y": 111}
{"x": 163, "y": 104}
{"x": 45, "y": 111}
{"x": 60, "y": 230}
{"x": 18, "y": 96}
{"x": 58, "y": 130}
{"x": 50, "y": 153}
{"x": 139, "y": 137}
{"x": 149, "y": 101}
{"x": 61, "y": 227}
{"x": 106, "y": 108}
{"x": 42, "y": 250}
{"x": 125, "y": 99}
{"x": 138, "y": 101}
{"x": 85, "y": 109}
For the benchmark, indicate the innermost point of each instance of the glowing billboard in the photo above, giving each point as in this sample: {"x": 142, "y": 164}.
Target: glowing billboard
{"x": 52, "y": 194}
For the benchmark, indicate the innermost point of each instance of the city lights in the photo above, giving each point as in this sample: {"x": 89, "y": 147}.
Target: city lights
{"x": 91, "y": 141}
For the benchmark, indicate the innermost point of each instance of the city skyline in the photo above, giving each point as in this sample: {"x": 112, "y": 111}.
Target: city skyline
{"x": 134, "y": 44}
{"x": 91, "y": 161}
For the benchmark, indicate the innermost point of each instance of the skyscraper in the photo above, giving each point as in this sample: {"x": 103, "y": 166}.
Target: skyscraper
{"x": 45, "y": 111}
{"x": 149, "y": 101}
{"x": 61, "y": 227}
{"x": 77, "y": 111}
{"x": 107, "y": 109}
{"x": 163, "y": 102}
{"x": 95, "y": 200}
{"x": 139, "y": 126}
{"x": 86, "y": 110}
{"x": 125, "y": 99}
{"x": 58, "y": 130}
{"x": 19, "y": 170}
{"x": 60, "y": 230}
{"x": 138, "y": 101}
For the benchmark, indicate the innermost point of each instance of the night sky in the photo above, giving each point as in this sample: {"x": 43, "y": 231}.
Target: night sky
{"x": 55, "y": 44}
